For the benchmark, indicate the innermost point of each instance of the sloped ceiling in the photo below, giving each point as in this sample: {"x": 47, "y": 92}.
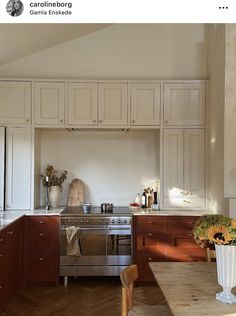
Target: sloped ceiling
{"x": 20, "y": 40}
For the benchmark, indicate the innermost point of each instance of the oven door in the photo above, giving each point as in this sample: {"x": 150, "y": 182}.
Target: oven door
{"x": 119, "y": 241}
{"x": 92, "y": 242}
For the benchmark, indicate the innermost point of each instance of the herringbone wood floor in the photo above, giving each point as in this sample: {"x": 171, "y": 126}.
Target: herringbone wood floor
{"x": 85, "y": 296}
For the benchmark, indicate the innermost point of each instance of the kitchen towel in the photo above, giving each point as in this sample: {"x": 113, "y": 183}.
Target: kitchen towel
{"x": 73, "y": 245}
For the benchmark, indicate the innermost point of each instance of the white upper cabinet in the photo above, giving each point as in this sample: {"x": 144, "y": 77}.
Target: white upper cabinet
{"x": 93, "y": 104}
{"x": 49, "y": 103}
{"x": 184, "y": 168}
{"x": 113, "y": 104}
{"x": 184, "y": 103}
{"x": 82, "y": 103}
{"x": 145, "y": 104}
{"x": 2, "y": 166}
{"x": 15, "y": 102}
{"x": 18, "y": 168}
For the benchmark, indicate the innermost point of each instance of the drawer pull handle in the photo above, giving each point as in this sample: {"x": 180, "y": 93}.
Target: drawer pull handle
{"x": 41, "y": 259}
{"x": 149, "y": 259}
{"x": 10, "y": 232}
{"x": 190, "y": 259}
{"x": 41, "y": 235}
{"x": 1, "y": 255}
{"x": 0, "y": 287}
{"x": 1, "y": 239}
{"x": 190, "y": 235}
{"x": 41, "y": 222}
{"x": 149, "y": 222}
{"x": 149, "y": 234}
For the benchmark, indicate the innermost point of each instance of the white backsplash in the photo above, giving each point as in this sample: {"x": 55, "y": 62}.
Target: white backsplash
{"x": 114, "y": 166}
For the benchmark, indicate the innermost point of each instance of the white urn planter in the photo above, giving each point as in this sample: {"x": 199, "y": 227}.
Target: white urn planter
{"x": 54, "y": 195}
{"x": 226, "y": 272}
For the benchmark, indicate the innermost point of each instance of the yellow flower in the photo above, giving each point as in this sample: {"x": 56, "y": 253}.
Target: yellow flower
{"x": 233, "y": 223}
{"x": 219, "y": 234}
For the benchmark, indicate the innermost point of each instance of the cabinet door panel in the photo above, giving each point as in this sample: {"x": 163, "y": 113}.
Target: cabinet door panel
{"x": 15, "y": 102}
{"x": 173, "y": 163}
{"x": 194, "y": 162}
{"x": 113, "y": 104}
{"x": 18, "y": 168}
{"x": 145, "y": 104}
{"x": 49, "y": 103}
{"x": 82, "y": 103}
{"x": 184, "y": 103}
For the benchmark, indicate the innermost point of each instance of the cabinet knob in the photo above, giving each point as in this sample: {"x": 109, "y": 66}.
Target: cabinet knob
{"x": 100, "y": 121}
{"x": 41, "y": 259}
{"x": 149, "y": 259}
{"x": 190, "y": 259}
{"x": 149, "y": 234}
{"x": 166, "y": 121}
{"x": 133, "y": 121}
{"x": 1, "y": 239}
{"x": 27, "y": 120}
{"x": 41, "y": 235}
{"x": 0, "y": 287}
{"x": 41, "y": 222}
{"x": 1, "y": 255}
{"x": 190, "y": 235}
{"x": 61, "y": 121}
{"x": 149, "y": 222}
{"x": 10, "y": 232}
{"x": 94, "y": 121}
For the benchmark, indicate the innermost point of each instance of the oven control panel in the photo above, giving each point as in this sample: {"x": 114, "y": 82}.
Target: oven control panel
{"x": 82, "y": 221}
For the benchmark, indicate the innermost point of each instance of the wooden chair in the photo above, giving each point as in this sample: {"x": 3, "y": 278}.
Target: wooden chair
{"x": 211, "y": 255}
{"x": 128, "y": 276}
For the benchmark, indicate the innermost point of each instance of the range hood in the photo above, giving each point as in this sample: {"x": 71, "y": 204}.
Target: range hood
{"x": 87, "y": 129}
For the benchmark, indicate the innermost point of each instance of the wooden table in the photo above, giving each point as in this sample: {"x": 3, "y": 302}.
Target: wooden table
{"x": 190, "y": 288}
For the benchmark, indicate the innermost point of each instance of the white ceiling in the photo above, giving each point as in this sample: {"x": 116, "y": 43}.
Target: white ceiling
{"x": 19, "y": 40}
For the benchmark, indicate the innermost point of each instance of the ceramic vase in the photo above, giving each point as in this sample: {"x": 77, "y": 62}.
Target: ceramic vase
{"x": 54, "y": 195}
{"x": 226, "y": 272}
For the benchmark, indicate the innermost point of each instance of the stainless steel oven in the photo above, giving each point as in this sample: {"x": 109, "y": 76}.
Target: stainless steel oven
{"x": 105, "y": 245}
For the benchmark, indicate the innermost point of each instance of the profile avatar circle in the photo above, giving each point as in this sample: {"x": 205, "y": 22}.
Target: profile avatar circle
{"x": 14, "y": 7}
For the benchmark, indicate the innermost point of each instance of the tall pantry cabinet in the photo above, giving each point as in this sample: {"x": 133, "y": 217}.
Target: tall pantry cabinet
{"x": 15, "y": 145}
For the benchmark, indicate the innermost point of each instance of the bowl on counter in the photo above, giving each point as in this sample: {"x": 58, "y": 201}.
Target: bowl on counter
{"x": 87, "y": 207}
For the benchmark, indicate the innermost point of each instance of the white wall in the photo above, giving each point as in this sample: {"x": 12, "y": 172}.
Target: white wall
{"x": 215, "y": 118}
{"x": 167, "y": 51}
{"x": 115, "y": 166}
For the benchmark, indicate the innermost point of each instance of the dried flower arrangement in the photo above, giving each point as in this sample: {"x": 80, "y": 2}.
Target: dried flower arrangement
{"x": 215, "y": 229}
{"x": 53, "y": 179}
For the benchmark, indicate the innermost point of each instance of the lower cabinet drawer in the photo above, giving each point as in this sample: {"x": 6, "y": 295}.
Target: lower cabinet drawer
{"x": 43, "y": 268}
{"x": 43, "y": 241}
{"x": 145, "y": 273}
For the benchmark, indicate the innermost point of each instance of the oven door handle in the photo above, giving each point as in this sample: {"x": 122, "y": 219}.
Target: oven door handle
{"x": 86, "y": 228}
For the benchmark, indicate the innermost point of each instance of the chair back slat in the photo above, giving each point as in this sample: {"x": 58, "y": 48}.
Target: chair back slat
{"x": 128, "y": 276}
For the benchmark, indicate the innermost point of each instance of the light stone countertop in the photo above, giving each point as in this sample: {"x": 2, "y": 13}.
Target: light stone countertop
{"x": 173, "y": 212}
{"x": 10, "y": 216}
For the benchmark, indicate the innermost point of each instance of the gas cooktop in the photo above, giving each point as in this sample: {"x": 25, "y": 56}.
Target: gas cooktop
{"x": 96, "y": 211}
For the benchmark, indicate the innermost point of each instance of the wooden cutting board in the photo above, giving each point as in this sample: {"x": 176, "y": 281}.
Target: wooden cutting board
{"x": 76, "y": 193}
